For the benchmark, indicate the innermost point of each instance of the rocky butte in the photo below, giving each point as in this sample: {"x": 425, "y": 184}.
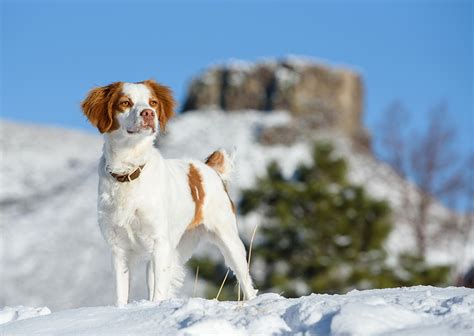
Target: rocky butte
{"x": 320, "y": 96}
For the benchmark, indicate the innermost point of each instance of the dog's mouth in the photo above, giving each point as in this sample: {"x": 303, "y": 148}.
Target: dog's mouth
{"x": 142, "y": 129}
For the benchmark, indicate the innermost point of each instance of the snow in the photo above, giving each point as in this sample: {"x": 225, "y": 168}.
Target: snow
{"x": 50, "y": 242}
{"x": 8, "y": 314}
{"x": 400, "y": 311}
{"x": 372, "y": 319}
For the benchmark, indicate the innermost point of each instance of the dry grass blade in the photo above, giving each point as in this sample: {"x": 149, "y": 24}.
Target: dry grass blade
{"x": 251, "y": 244}
{"x": 195, "y": 281}
{"x": 250, "y": 257}
{"x": 222, "y": 285}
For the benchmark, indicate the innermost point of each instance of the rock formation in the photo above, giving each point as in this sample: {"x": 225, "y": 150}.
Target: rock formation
{"x": 319, "y": 95}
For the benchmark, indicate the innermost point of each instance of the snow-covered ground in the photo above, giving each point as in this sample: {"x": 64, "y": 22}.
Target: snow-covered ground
{"x": 400, "y": 311}
{"x": 51, "y": 251}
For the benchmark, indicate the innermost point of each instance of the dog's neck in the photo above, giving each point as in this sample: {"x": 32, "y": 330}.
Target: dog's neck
{"x": 125, "y": 154}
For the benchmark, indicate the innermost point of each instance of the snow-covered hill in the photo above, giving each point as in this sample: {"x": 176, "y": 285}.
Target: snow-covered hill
{"x": 52, "y": 251}
{"x": 399, "y": 311}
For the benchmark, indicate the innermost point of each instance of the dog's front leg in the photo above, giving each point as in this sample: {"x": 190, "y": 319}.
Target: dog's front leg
{"x": 122, "y": 279}
{"x": 161, "y": 261}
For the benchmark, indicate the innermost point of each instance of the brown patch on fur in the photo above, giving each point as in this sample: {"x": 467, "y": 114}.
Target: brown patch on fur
{"x": 216, "y": 160}
{"x": 197, "y": 193}
{"x": 100, "y": 106}
{"x": 165, "y": 99}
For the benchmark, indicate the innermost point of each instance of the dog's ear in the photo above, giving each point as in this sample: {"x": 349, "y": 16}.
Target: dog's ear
{"x": 98, "y": 107}
{"x": 165, "y": 100}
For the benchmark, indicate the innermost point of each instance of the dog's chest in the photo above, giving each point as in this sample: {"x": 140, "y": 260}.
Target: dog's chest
{"x": 155, "y": 206}
{"x": 140, "y": 233}
{"x": 131, "y": 215}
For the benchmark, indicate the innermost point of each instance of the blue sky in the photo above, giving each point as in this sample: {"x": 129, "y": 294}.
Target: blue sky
{"x": 419, "y": 52}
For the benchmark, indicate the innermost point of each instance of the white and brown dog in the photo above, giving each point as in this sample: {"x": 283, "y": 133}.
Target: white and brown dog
{"x": 153, "y": 207}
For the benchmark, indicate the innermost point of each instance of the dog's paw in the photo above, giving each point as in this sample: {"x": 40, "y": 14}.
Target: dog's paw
{"x": 159, "y": 298}
{"x": 252, "y": 294}
{"x": 120, "y": 304}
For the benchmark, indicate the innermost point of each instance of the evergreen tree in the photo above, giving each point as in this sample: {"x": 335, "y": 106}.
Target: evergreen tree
{"x": 321, "y": 233}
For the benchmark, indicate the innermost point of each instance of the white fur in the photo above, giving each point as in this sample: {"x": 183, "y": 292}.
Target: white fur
{"x": 148, "y": 217}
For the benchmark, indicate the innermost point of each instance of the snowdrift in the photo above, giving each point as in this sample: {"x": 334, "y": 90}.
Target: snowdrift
{"x": 399, "y": 311}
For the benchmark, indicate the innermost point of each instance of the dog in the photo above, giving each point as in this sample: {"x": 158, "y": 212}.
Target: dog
{"x": 155, "y": 208}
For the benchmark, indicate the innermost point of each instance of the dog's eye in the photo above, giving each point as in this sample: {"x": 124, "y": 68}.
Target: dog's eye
{"x": 125, "y": 103}
{"x": 153, "y": 103}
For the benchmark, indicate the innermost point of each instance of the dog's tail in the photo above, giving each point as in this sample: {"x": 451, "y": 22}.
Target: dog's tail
{"x": 222, "y": 163}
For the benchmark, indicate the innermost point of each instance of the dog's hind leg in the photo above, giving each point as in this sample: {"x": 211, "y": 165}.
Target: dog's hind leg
{"x": 186, "y": 247}
{"x": 188, "y": 243}
{"x": 176, "y": 276}
{"x": 226, "y": 237}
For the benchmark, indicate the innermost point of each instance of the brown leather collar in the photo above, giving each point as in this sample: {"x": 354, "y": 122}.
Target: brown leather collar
{"x": 128, "y": 177}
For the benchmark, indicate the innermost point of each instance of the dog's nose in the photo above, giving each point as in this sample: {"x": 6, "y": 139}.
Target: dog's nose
{"x": 146, "y": 113}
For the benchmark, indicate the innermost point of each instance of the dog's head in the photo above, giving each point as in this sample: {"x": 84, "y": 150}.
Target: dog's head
{"x": 134, "y": 109}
